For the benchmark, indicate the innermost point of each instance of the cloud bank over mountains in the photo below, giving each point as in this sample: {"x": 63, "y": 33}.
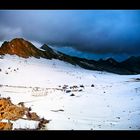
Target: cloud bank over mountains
{"x": 92, "y": 31}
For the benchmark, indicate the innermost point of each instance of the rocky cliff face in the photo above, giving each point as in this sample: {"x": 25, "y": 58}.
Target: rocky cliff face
{"x": 21, "y": 48}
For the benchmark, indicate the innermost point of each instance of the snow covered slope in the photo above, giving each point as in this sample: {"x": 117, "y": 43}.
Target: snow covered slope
{"x": 71, "y": 97}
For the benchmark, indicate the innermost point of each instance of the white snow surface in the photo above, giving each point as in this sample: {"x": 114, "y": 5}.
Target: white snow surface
{"x": 112, "y": 104}
{"x": 36, "y": 44}
{"x": 1, "y": 43}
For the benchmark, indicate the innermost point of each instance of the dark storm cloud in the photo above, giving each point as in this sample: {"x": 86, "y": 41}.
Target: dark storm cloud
{"x": 9, "y": 32}
{"x": 94, "y": 31}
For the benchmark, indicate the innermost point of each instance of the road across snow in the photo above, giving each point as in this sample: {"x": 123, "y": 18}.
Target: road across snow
{"x": 112, "y": 104}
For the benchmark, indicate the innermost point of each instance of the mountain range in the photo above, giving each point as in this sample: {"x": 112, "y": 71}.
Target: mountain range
{"x": 26, "y": 49}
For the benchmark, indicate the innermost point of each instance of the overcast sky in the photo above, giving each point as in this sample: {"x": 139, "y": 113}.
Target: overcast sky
{"x": 98, "y": 32}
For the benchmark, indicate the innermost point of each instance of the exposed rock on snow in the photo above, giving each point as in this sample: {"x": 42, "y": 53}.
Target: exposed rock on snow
{"x": 6, "y": 126}
{"x": 9, "y": 111}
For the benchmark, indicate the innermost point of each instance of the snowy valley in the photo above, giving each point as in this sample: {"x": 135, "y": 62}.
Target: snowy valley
{"x": 71, "y": 97}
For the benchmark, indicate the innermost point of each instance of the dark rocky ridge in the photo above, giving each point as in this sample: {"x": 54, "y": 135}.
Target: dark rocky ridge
{"x": 23, "y": 48}
{"x": 26, "y": 49}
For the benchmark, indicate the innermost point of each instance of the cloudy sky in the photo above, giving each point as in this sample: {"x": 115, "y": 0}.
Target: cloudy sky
{"x": 86, "y": 33}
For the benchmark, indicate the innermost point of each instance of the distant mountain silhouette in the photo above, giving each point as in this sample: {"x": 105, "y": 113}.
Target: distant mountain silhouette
{"x": 25, "y": 49}
{"x": 132, "y": 64}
